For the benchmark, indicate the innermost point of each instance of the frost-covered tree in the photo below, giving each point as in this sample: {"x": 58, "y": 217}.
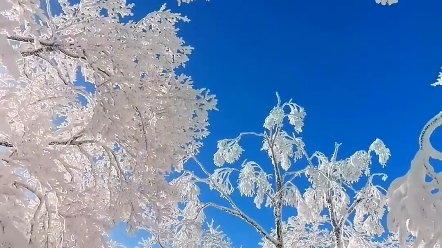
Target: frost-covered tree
{"x": 331, "y": 212}
{"x": 75, "y": 162}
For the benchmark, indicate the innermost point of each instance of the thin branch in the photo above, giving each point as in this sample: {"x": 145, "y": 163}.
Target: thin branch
{"x": 350, "y": 210}
{"x": 236, "y": 211}
{"x": 52, "y": 143}
{"x": 55, "y": 67}
{"x": 241, "y": 215}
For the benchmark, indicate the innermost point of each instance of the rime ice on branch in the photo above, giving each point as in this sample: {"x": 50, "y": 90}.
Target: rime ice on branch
{"x": 69, "y": 170}
{"x": 387, "y": 2}
{"x": 415, "y": 199}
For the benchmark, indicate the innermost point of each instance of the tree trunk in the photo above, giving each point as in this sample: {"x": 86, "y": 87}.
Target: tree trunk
{"x": 338, "y": 237}
{"x": 337, "y": 228}
{"x": 278, "y": 223}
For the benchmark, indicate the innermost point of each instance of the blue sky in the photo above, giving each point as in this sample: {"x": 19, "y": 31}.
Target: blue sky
{"x": 361, "y": 71}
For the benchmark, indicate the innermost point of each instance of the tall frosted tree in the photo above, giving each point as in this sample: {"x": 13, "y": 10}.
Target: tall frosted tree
{"x": 331, "y": 212}
{"x": 71, "y": 169}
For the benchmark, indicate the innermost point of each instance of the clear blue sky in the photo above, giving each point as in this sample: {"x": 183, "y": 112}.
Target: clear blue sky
{"x": 362, "y": 71}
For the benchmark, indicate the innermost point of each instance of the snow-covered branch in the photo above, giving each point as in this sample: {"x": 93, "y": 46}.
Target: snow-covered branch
{"x": 415, "y": 200}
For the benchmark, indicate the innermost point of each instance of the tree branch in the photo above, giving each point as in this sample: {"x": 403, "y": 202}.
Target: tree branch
{"x": 350, "y": 210}
{"x": 47, "y": 45}
{"x": 74, "y": 142}
{"x": 236, "y": 210}
{"x": 246, "y": 218}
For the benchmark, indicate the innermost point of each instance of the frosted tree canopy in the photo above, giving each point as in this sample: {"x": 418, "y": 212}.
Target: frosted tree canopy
{"x": 71, "y": 169}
